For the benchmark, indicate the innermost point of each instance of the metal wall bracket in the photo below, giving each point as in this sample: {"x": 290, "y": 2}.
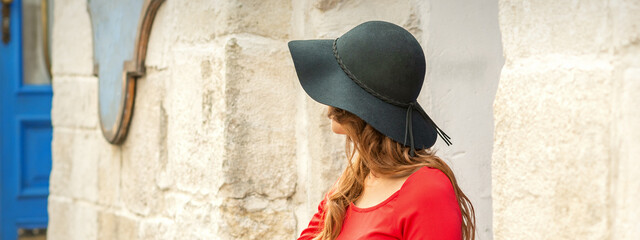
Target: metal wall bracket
{"x": 121, "y": 30}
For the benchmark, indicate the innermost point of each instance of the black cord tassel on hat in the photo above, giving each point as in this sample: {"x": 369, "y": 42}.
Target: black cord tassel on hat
{"x": 441, "y": 133}
{"x": 409, "y": 127}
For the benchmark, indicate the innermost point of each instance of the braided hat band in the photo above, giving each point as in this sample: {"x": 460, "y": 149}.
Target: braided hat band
{"x": 410, "y": 106}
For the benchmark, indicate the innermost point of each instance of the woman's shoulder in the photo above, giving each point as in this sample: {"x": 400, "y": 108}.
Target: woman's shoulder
{"x": 427, "y": 185}
{"x": 428, "y": 207}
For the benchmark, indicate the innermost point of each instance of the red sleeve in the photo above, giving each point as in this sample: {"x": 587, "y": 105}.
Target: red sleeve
{"x": 316, "y": 223}
{"x": 430, "y": 211}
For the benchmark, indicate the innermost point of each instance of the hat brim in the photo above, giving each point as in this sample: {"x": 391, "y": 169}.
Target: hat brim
{"x": 325, "y": 82}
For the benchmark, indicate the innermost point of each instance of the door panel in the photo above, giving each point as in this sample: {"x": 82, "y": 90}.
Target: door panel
{"x": 25, "y": 123}
{"x": 34, "y": 167}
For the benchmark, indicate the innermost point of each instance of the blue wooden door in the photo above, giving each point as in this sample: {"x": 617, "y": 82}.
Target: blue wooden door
{"x": 25, "y": 123}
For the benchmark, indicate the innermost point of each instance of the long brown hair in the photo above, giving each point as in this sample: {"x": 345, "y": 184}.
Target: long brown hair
{"x": 382, "y": 155}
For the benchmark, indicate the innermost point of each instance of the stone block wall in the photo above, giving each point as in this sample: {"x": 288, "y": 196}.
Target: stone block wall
{"x": 211, "y": 149}
{"x": 224, "y": 143}
{"x": 566, "y": 121}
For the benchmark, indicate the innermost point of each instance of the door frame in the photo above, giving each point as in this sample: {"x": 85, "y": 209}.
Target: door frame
{"x": 21, "y": 108}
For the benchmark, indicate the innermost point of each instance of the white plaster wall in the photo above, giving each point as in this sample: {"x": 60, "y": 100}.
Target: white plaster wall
{"x": 566, "y": 121}
{"x": 464, "y": 58}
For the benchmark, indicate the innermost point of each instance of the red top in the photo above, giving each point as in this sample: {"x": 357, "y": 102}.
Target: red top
{"x": 425, "y": 207}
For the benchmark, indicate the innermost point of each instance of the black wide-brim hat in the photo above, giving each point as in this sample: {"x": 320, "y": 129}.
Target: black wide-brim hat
{"x": 375, "y": 71}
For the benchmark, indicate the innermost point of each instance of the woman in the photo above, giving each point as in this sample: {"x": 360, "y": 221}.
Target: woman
{"x": 370, "y": 78}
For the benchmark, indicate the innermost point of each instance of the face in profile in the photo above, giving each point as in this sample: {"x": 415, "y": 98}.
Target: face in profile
{"x": 335, "y": 126}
